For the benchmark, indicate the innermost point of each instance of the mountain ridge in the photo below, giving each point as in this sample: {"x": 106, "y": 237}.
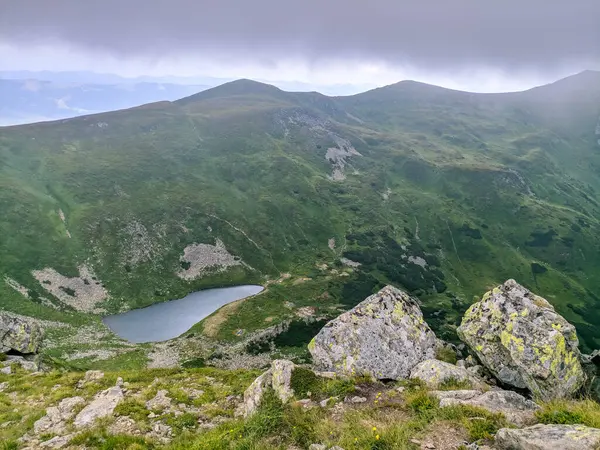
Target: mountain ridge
{"x": 440, "y": 194}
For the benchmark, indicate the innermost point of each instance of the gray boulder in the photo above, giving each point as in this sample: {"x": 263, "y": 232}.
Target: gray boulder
{"x": 516, "y": 408}
{"x": 434, "y": 373}
{"x": 56, "y": 416}
{"x": 21, "y": 335}
{"x": 523, "y": 342}
{"x": 549, "y": 437}
{"x": 278, "y": 378}
{"x": 384, "y": 337}
{"x": 103, "y": 405}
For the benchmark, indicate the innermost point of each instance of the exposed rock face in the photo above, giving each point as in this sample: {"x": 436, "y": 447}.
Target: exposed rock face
{"x": 385, "y": 336}
{"x": 434, "y": 373}
{"x": 549, "y": 437}
{"x": 278, "y": 378}
{"x": 19, "y": 335}
{"x": 102, "y": 406}
{"x": 519, "y": 337}
{"x": 56, "y": 416}
{"x": 516, "y": 408}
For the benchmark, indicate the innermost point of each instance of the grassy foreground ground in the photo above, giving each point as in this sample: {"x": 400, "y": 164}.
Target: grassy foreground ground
{"x": 200, "y": 413}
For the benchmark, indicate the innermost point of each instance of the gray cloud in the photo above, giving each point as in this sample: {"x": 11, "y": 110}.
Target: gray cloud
{"x": 425, "y": 33}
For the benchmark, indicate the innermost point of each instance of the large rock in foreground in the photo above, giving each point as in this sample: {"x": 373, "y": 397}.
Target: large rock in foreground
{"x": 278, "y": 378}
{"x": 385, "y": 336}
{"x": 519, "y": 337}
{"x": 549, "y": 437}
{"x": 19, "y": 335}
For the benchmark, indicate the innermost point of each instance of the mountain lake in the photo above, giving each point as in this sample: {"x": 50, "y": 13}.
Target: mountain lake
{"x": 164, "y": 321}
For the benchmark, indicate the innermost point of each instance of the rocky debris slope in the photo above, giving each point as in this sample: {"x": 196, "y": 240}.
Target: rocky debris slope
{"x": 549, "y": 437}
{"x": 524, "y": 342}
{"x": 385, "y": 336}
{"x": 19, "y": 335}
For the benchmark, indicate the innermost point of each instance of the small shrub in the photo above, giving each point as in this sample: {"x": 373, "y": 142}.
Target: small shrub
{"x": 132, "y": 408}
{"x": 453, "y": 384}
{"x": 583, "y": 412}
{"x": 305, "y": 381}
{"x": 3, "y": 356}
{"x": 267, "y": 420}
{"x": 446, "y": 354}
{"x": 413, "y": 384}
{"x": 185, "y": 420}
{"x": 9, "y": 445}
{"x": 421, "y": 402}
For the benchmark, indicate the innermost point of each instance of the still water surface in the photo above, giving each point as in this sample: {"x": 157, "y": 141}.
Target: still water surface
{"x": 168, "y": 320}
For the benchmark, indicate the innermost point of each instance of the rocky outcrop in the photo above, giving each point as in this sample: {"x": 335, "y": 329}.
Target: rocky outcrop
{"x": 523, "y": 342}
{"x": 434, "y": 373}
{"x": 549, "y": 437}
{"x": 384, "y": 337}
{"x": 278, "y": 378}
{"x": 516, "y": 408}
{"x": 103, "y": 405}
{"x": 54, "y": 422}
{"x": 19, "y": 335}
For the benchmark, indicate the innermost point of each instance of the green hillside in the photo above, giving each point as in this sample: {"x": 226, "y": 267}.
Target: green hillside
{"x": 443, "y": 193}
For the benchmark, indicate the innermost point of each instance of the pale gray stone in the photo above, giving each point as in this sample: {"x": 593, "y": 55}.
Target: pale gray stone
{"x": 103, "y": 405}
{"x": 549, "y": 437}
{"x": 434, "y": 373}
{"x": 384, "y": 337}
{"x": 516, "y": 408}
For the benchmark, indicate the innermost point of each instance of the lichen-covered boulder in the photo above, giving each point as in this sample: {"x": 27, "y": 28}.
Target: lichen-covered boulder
{"x": 434, "y": 373}
{"x": 523, "y": 342}
{"x": 384, "y": 337}
{"x": 549, "y": 437}
{"x": 17, "y": 334}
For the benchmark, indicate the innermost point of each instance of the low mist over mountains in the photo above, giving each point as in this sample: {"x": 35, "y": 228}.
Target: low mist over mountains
{"x": 441, "y": 192}
{"x": 27, "y": 100}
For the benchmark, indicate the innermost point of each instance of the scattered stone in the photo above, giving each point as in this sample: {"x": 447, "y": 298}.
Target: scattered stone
{"x": 355, "y": 399}
{"x": 3, "y": 386}
{"x": 57, "y": 442}
{"x": 521, "y": 339}
{"x": 434, "y": 373}
{"x": 26, "y": 364}
{"x": 124, "y": 425}
{"x": 19, "y": 335}
{"x": 317, "y": 447}
{"x": 516, "y": 408}
{"x": 202, "y": 258}
{"x": 161, "y": 401}
{"x": 549, "y": 437}
{"x": 91, "y": 376}
{"x": 56, "y": 416}
{"x": 161, "y": 432}
{"x": 103, "y": 405}
{"x": 6, "y": 370}
{"x": 385, "y": 336}
{"x": 77, "y": 292}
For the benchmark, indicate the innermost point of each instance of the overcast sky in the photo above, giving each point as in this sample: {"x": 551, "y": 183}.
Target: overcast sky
{"x": 478, "y": 45}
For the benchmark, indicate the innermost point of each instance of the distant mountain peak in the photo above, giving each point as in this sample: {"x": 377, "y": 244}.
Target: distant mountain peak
{"x": 235, "y": 88}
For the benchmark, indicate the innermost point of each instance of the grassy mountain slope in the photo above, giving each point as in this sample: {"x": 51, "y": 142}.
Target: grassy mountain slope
{"x": 441, "y": 192}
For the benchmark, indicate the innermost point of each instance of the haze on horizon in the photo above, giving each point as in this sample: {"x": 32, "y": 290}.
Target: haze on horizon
{"x": 464, "y": 44}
